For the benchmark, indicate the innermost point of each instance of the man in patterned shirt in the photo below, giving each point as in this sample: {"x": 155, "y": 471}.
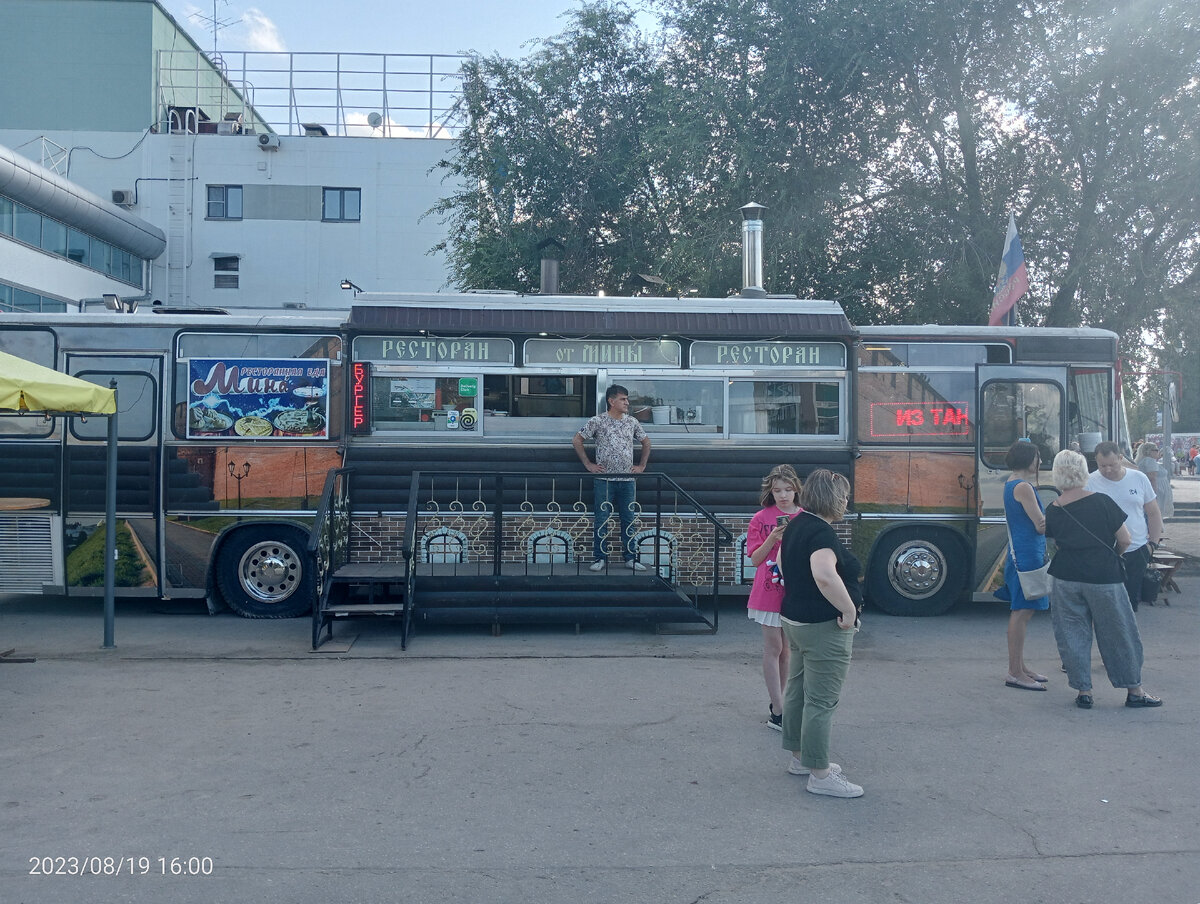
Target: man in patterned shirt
{"x": 615, "y": 432}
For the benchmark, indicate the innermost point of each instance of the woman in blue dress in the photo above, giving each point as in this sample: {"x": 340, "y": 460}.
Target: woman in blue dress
{"x": 1027, "y": 529}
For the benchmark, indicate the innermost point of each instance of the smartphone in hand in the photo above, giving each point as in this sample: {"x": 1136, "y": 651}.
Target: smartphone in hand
{"x": 782, "y": 521}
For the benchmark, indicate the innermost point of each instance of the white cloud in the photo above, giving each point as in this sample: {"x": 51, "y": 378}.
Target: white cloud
{"x": 260, "y": 32}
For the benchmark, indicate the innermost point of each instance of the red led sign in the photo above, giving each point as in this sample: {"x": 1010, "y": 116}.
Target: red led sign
{"x": 360, "y": 397}
{"x": 919, "y": 419}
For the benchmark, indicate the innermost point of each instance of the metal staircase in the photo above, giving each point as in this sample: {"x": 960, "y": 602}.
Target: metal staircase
{"x": 499, "y": 548}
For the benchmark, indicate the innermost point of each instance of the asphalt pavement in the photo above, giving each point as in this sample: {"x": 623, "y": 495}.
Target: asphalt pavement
{"x": 614, "y": 765}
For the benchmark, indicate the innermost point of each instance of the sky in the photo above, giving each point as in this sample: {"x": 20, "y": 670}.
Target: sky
{"x": 375, "y": 26}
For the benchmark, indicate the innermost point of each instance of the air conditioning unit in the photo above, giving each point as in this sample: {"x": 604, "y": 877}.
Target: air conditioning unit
{"x": 268, "y": 141}
{"x": 123, "y": 197}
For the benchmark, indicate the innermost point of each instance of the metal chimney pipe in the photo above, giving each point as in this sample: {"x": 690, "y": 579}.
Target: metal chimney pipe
{"x": 549, "y": 276}
{"x": 752, "y": 251}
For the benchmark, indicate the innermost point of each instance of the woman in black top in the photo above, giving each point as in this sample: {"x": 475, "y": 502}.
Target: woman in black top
{"x": 819, "y": 614}
{"x": 1088, "y": 593}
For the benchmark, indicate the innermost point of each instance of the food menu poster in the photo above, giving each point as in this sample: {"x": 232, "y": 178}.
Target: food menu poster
{"x": 257, "y": 398}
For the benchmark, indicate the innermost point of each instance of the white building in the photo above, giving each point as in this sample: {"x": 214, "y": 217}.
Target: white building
{"x": 272, "y": 177}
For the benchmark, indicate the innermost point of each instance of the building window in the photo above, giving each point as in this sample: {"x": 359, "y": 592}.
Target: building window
{"x": 225, "y": 272}
{"x": 56, "y": 238}
{"x": 14, "y": 299}
{"x": 342, "y": 205}
{"x": 224, "y": 202}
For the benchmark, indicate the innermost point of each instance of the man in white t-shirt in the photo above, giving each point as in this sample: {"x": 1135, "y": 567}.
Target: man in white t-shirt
{"x": 1131, "y": 490}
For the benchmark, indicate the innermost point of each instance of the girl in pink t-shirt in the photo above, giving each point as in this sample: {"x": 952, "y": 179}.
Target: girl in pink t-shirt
{"x": 780, "y": 490}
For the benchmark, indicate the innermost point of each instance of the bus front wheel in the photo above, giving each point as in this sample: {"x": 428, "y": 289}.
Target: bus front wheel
{"x": 264, "y": 572}
{"x": 917, "y": 571}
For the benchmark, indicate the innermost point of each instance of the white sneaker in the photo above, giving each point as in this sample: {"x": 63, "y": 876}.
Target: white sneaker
{"x": 598, "y": 565}
{"x": 833, "y": 785}
{"x": 635, "y": 565}
{"x": 795, "y": 767}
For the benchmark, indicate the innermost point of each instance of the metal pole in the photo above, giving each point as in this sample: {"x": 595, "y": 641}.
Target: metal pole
{"x": 110, "y": 528}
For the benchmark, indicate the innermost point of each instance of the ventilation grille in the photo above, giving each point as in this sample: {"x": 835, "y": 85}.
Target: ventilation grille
{"x": 26, "y": 553}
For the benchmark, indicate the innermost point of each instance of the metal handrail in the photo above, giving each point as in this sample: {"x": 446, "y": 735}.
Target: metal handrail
{"x": 497, "y": 481}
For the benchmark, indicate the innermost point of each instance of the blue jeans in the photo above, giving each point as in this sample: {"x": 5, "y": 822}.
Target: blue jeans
{"x": 610, "y": 496}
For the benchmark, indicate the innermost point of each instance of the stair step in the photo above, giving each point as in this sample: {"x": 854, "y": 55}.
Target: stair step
{"x": 364, "y": 609}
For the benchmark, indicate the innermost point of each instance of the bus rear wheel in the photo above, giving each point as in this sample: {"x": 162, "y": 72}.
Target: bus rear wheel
{"x": 917, "y": 572}
{"x": 264, "y": 572}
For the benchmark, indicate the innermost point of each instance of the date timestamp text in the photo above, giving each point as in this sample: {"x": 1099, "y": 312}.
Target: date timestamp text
{"x": 97, "y": 865}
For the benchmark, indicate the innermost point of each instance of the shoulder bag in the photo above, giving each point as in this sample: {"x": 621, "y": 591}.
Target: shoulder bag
{"x": 1034, "y": 583}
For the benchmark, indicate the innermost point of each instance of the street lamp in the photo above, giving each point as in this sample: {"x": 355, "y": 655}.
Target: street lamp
{"x": 346, "y": 284}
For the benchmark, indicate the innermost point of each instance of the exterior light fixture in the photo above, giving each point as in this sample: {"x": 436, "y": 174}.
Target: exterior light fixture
{"x": 346, "y": 284}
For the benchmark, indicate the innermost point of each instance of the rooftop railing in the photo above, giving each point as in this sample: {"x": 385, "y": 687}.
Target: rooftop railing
{"x": 344, "y": 94}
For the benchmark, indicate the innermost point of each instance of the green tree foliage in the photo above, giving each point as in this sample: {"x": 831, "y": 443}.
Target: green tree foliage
{"x": 889, "y": 140}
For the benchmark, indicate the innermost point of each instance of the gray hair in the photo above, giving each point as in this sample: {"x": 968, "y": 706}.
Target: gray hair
{"x": 1070, "y": 471}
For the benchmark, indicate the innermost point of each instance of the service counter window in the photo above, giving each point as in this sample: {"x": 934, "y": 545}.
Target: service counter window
{"x": 425, "y": 403}
{"x": 545, "y": 405}
{"x": 785, "y": 407}
{"x": 671, "y": 405}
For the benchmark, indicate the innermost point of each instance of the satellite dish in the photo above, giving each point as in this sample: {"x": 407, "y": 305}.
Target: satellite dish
{"x": 374, "y": 120}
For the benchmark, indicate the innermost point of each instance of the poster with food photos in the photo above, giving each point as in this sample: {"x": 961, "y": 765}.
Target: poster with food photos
{"x": 258, "y": 398}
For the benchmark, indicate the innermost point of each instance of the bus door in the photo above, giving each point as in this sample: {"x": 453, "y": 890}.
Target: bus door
{"x": 1017, "y": 401}
{"x": 139, "y": 382}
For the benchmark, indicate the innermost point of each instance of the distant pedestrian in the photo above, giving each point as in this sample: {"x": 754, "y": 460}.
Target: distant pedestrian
{"x": 820, "y": 608}
{"x": 778, "y": 495}
{"x": 1090, "y": 532}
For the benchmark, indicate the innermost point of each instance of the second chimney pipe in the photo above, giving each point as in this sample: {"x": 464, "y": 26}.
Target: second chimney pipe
{"x": 752, "y": 251}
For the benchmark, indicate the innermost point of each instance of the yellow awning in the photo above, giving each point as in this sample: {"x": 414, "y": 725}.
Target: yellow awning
{"x": 25, "y": 386}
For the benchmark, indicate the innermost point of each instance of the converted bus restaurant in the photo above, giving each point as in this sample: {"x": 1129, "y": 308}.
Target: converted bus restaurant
{"x": 466, "y": 375}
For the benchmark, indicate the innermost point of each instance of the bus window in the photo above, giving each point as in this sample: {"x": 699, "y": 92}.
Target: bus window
{"x": 137, "y": 406}
{"x": 36, "y": 346}
{"x": 1090, "y": 402}
{"x": 916, "y": 407}
{"x": 260, "y": 347}
{"x": 692, "y": 406}
{"x": 1016, "y": 409}
{"x": 775, "y": 407}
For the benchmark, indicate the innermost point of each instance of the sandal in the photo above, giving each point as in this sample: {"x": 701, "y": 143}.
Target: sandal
{"x": 1034, "y": 676}
{"x": 1010, "y": 681}
{"x": 1084, "y": 701}
{"x": 1142, "y": 700}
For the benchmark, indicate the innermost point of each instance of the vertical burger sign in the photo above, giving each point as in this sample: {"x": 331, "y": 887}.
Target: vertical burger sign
{"x": 258, "y": 398}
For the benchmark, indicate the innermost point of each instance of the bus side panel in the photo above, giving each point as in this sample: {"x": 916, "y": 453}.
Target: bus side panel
{"x": 721, "y": 479}
{"x": 31, "y": 469}
{"x": 31, "y": 542}
{"x": 915, "y": 482}
{"x": 916, "y": 533}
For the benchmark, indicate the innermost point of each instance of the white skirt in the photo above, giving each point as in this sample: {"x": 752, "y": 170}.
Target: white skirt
{"x": 769, "y": 619}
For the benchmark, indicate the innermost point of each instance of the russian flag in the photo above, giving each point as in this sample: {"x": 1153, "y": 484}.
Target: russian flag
{"x": 1012, "y": 282}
